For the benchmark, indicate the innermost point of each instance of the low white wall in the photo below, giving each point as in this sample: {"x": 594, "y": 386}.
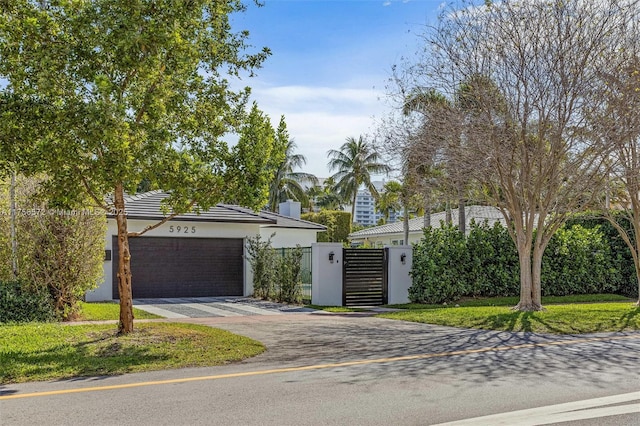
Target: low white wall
{"x": 399, "y": 279}
{"x": 326, "y": 276}
{"x": 202, "y": 230}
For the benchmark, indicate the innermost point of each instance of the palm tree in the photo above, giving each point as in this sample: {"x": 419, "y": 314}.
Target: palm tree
{"x": 324, "y": 197}
{"x": 355, "y": 162}
{"x": 440, "y": 112}
{"x": 390, "y": 199}
{"x": 286, "y": 183}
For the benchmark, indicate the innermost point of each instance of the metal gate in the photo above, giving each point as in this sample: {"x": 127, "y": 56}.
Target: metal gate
{"x": 364, "y": 277}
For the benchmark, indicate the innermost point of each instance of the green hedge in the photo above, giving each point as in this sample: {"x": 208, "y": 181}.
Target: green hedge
{"x": 22, "y": 303}
{"x": 620, "y": 256}
{"x": 338, "y": 225}
{"x": 440, "y": 264}
{"x": 580, "y": 259}
{"x": 493, "y": 268}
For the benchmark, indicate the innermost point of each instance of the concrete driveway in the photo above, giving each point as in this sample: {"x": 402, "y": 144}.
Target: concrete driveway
{"x": 215, "y": 307}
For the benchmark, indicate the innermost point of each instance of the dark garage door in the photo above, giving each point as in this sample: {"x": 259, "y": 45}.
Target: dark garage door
{"x": 183, "y": 267}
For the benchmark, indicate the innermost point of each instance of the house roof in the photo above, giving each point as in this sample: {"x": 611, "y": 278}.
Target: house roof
{"x": 416, "y": 225}
{"x": 147, "y": 205}
{"x": 282, "y": 221}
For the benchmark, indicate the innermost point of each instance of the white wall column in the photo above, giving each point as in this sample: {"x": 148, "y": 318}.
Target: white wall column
{"x": 400, "y": 261}
{"x": 326, "y": 274}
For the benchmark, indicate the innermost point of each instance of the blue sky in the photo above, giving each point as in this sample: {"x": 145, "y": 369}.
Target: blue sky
{"x": 330, "y": 63}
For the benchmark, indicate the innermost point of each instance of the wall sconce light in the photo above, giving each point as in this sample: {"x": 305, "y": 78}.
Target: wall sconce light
{"x": 331, "y": 257}
{"x": 403, "y": 258}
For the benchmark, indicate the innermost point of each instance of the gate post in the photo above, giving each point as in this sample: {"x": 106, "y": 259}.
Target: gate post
{"x": 400, "y": 259}
{"x": 326, "y": 274}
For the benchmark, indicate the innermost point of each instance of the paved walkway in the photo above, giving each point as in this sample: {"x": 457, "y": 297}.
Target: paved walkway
{"x": 212, "y": 307}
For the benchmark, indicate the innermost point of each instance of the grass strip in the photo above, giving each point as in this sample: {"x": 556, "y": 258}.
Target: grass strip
{"x": 512, "y": 301}
{"x": 103, "y": 311}
{"x": 46, "y": 351}
{"x": 556, "y": 319}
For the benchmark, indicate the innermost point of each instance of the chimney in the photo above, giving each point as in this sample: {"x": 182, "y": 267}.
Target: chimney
{"x": 290, "y": 208}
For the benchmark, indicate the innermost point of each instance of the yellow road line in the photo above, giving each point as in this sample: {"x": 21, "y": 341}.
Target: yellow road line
{"x": 319, "y": 366}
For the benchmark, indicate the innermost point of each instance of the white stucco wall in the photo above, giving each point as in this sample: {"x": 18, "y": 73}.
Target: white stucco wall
{"x": 326, "y": 275}
{"x": 399, "y": 279}
{"x": 202, "y": 230}
{"x": 289, "y": 237}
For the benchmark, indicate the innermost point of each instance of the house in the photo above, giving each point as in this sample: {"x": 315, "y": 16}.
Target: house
{"x": 392, "y": 234}
{"x": 195, "y": 255}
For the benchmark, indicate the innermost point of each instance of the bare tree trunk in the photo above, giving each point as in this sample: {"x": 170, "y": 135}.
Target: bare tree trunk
{"x": 536, "y": 277}
{"x": 638, "y": 279}
{"x": 353, "y": 208}
{"x": 636, "y": 251}
{"x": 405, "y": 224}
{"x": 12, "y": 218}
{"x": 526, "y": 302}
{"x": 447, "y": 215}
{"x": 427, "y": 209}
{"x": 462, "y": 216}
{"x": 125, "y": 325}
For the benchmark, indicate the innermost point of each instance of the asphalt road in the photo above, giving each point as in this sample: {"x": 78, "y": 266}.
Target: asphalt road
{"x": 325, "y": 369}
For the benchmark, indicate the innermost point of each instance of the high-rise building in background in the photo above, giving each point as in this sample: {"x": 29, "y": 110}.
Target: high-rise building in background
{"x": 366, "y": 213}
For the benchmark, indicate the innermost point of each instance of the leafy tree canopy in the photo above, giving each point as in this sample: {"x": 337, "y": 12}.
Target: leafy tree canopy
{"x": 132, "y": 90}
{"x": 136, "y": 91}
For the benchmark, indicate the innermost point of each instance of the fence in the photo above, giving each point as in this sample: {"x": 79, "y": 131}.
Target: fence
{"x": 305, "y": 270}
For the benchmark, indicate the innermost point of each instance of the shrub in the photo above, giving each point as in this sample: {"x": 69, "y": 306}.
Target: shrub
{"x": 493, "y": 261}
{"x": 277, "y": 273}
{"x": 578, "y": 260}
{"x": 289, "y": 281}
{"x": 263, "y": 265}
{"x": 439, "y": 266}
{"x": 23, "y": 303}
{"x": 60, "y": 249}
{"x": 625, "y": 280}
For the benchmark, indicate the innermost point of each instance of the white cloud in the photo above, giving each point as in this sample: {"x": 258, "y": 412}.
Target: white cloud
{"x": 320, "y": 118}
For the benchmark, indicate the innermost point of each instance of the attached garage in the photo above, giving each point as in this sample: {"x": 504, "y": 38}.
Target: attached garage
{"x": 195, "y": 254}
{"x": 183, "y": 267}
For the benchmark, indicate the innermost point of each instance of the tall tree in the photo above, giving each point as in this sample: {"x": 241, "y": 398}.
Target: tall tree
{"x": 529, "y": 70}
{"x": 287, "y": 183}
{"x": 390, "y": 199}
{"x": 617, "y": 121}
{"x": 136, "y": 90}
{"x": 19, "y": 119}
{"x": 355, "y": 162}
{"x": 434, "y": 151}
{"x": 325, "y": 196}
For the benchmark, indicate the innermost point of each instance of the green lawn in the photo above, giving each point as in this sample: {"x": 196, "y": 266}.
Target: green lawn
{"x": 512, "y": 301}
{"x": 556, "y": 319}
{"x": 108, "y": 311}
{"x": 47, "y": 351}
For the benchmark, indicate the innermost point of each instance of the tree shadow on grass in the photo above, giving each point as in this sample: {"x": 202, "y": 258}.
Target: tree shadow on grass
{"x": 626, "y": 318}
{"x": 510, "y": 321}
{"x": 79, "y": 359}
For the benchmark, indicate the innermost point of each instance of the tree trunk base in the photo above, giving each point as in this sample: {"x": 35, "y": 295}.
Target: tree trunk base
{"x": 528, "y": 307}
